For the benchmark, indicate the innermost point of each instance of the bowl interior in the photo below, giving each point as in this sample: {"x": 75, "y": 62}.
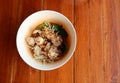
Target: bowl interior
{"x": 30, "y": 23}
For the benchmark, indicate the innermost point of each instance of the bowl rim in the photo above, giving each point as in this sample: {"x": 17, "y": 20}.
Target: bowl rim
{"x": 73, "y": 50}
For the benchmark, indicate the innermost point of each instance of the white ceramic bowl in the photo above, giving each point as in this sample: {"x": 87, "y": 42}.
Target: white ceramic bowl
{"x": 30, "y": 23}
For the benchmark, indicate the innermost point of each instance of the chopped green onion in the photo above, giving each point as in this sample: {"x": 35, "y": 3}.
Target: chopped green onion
{"x": 46, "y": 24}
{"x": 40, "y": 26}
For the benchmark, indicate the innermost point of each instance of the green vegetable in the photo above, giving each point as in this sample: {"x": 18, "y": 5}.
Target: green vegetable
{"x": 46, "y": 24}
{"x": 40, "y": 26}
{"x": 59, "y": 30}
{"x": 64, "y": 47}
{"x": 56, "y": 28}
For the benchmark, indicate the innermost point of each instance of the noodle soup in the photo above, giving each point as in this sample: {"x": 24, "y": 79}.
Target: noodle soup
{"x": 48, "y": 42}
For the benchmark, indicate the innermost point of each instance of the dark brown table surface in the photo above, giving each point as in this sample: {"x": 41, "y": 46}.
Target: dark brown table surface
{"x": 97, "y": 55}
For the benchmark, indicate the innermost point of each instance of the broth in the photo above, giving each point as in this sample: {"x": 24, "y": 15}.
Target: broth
{"x": 66, "y": 40}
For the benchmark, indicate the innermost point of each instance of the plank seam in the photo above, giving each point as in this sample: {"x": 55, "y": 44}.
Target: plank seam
{"x": 13, "y": 59}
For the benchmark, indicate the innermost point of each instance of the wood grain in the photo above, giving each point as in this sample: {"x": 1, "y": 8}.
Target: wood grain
{"x": 7, "y": 39}
{"x": 111, "y": 34}
{"x": 82, "y": 58}
{"x": 22, "y": 72}
{"x": 97, "y": 55}
{"x": 14, "y": 69}
{"x": 96, "y": 42}
{"x": 65, "y": 73}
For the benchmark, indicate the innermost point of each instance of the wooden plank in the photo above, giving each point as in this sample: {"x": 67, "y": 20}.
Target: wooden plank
{"x": 111, "y": 25}
{"x": 82, "y": 54}
{"x": 117, "y": 7}
{"x": 65, "y": 73}
{"x": 96, "y": 42}
{"x": 7, "y": 46}
{"x": 21, "y": 72}
{"x": 97, "y": 56}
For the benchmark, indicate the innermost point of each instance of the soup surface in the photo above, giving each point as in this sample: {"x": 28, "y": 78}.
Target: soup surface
{"x": 48, "y": 42}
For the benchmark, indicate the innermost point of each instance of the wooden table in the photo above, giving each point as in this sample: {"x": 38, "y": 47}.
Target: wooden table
{"x": 97, "y": 55}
